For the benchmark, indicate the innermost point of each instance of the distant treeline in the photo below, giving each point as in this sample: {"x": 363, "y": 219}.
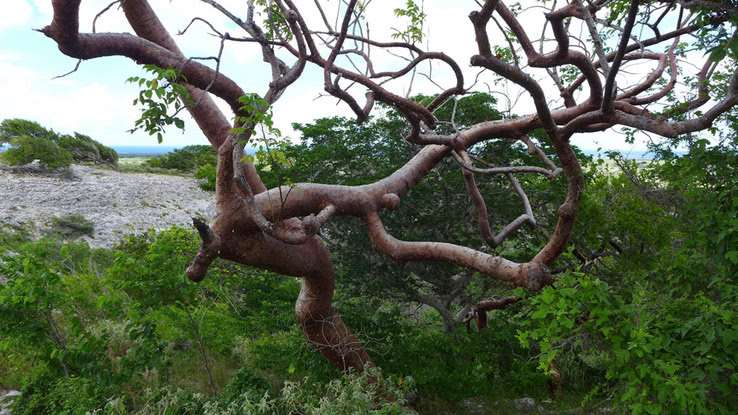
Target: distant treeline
{"x": 185, "y": 159}
{"x": 200, "y": 159}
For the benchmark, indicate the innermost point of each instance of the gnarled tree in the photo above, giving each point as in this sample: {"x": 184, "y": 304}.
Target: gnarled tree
{"x": 277, "y": 229}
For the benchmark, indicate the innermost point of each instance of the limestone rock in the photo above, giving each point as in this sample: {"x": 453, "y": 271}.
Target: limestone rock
{"x": 117, "y": 203}
{"x": 6, "y": 398}
{"x": 525, "y": 405}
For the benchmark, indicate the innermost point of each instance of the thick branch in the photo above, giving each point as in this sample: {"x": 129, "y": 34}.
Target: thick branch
{"x": 610, "y": 83}
{"x": 533, "y": 275}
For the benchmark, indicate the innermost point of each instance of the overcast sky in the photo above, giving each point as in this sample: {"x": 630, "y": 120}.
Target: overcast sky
{"x": 97, "y": 101}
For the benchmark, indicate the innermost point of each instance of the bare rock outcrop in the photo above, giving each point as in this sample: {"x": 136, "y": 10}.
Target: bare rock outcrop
{"x": 117, "y": 203}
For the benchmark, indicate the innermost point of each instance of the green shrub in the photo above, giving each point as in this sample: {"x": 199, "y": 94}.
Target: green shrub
{"x": 244, "y": 382}
{"x": 11, "y": 129}
{"x": 13, "y": 235}
{"x": 107, "y": 153}
{"x": 208, "y": 173}
{"x": 150, "y": 267}
{"x": 51, "y": 392}
{"x": 26, "y": 149}
{"x": 349, "y": 394}
{"x": 156, "y": 162}
{"x": 85, "y": 149}
{"x": 81, "y": 147}
{"x": 180, "y": 160}
{"x": 663, "y": 353}
{"x": 72, "y": 226}
{"x": 31, "y": 141}
{"x": 186, "y": 159}
{"x": 48, "y": 312}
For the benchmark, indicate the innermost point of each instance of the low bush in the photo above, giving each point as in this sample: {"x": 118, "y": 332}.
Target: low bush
{"x": 186, "y": 159}
{"x": 13, "y": 235}
{"x": 208, "y": 173}
{"x": 26, "y": 149}
{"x": 368, "y": 393}
{"x": 30, "y": 141}
{"x": 48, "y": 391}
{"x": 72, "y": 226}
{"x": 85, "y": 149}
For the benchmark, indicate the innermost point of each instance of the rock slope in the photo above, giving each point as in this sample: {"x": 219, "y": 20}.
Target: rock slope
{"x": 117, "y": 203}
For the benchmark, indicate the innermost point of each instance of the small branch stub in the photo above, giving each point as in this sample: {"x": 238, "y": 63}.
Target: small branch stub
{"x": 209, "y": 249}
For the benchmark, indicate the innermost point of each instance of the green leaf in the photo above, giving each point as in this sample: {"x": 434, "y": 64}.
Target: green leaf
{"x": 718, "y": 53}
{"x": 729, "y": 336}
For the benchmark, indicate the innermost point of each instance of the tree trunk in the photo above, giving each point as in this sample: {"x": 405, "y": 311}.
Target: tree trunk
{"x": 309, "y": 261}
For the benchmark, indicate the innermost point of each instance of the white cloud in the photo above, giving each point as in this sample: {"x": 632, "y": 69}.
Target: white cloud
{"x": 45, "y": 8}
{"x": 100, "y": 110}
{"x": 15, "y": 14}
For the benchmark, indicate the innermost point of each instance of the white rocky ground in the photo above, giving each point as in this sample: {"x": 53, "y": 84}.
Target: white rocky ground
{"x": 6, "y": 398}
{"x": 116, "y": 202}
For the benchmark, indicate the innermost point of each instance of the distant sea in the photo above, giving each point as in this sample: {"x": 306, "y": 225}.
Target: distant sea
{"x": 133, "y": 151}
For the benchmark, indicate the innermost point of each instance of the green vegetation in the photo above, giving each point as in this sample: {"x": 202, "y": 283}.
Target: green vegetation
{"x": 30, "y": 141}
{"x": 198, "y": 159}
{"x": 115, "y": 327}
{"x": 25, "y": 149}
{"x": 140, "y": 164}
{"x": 186, "y": 159}
{"x": 85, "y": 149}
{"x": 655, "y": 320}
{"x": 340, "y": 151}
{"x": 165, "y": 89}
{"x": 641, "y": 317}
{"x": 71, "y": 226}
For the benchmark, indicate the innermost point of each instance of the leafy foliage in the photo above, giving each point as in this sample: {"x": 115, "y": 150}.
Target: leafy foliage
{"x": 84, "y": 148}
{"x": 258, "y": 113}
{"x": 165, "y": 88}
{"x": 43, "y": 314}
{"x": 340, "y": 151}
{"x": 185, "y": 159}
{"x": 414, "y": 31}
{"x": 274, "y": 21}
{"x": 642, "y": 314}
{"x": 11, "y": 129}
{"x": 30, "y": 141}
{"x": 72, "y": 226}
{"x": 207, "y": 172}
{"x": 26, "y": 149}
{"x": 665, "y": 329}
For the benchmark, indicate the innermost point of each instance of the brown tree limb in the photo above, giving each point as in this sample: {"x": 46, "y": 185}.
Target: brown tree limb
{"x": 480, "y": 311}
{"x": 609, "y": 93}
